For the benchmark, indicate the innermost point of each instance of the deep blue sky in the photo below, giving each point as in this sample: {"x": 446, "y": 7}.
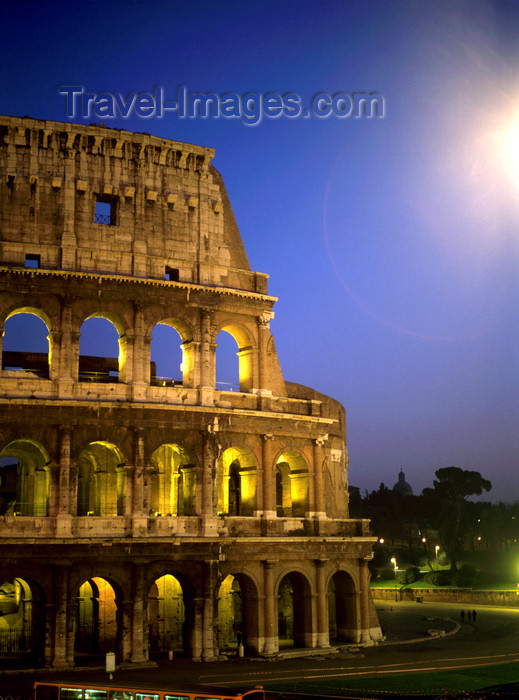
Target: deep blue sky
{"x": 392, "y": 244}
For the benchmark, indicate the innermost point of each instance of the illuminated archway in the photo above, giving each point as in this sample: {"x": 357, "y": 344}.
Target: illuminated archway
{"x": 237, "y": 482}
{"x": 294, "y": 611}
{"x": 97, "y": 619}
{"x": 292, "y": 485}
{"x": 172, "y": 354}
{"x": 27, "y": 479}
{"x": 342, "y": 608}
{"x": 27, "y": 343}
{"x": 238, "y": 614}
{"x": 22, "y": 620}
{"x": 168, "y": 625}
{"x": 101, "y": 480}
{"x": 173, "y": 481}
{"x": 102, "y": 350}
{"x": 232, "y": 376}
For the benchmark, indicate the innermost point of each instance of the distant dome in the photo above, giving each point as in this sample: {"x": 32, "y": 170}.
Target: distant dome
{"x": 402, "y": 486}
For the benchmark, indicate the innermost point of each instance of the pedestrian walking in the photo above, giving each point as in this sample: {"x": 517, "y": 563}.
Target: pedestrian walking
{"x": 473, "y": 616}
{"x": 462, "y": 615}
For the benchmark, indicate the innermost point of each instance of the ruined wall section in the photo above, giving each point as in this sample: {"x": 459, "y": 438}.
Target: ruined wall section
{"x": 168, "y": 217}
{"x": 335, "y": 471}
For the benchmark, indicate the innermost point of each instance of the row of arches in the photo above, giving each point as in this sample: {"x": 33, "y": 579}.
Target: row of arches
{"x": 102, "y": 351}
{"x": 170, "y": 619}
{"x": 171, "y": 481}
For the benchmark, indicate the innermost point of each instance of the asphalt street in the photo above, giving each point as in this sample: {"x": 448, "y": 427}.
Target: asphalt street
{"x": 418, "y": 637}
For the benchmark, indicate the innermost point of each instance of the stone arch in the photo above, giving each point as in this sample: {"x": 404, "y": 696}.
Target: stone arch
{"x": 95, "y": 365}
{"x": 98, "y": 622}
{"x": 186, "y": 364}
{"x": 292, "y": 484}
{"x": 342, "y": 608}
{"x": 25, "y": 485}
{"x": 170, "y": 610}
{"x": 22, "y": 620}
{"x": 101, "y": 480}
{"x": 237, "y": 482}
{"x": 167, "y": 623}
{"x": 238, "y": 613}
{"x": 28, "y": 342}
{"x": 294, "y": 596}
{"x": 173, "y": 480}
{"x": 246, "y": 350}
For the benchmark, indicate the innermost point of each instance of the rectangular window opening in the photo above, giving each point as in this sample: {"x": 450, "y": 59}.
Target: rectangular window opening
{"x": 105, "y": 210}
{"x": 172, "y": 274}
{"x": 32, "y": 260}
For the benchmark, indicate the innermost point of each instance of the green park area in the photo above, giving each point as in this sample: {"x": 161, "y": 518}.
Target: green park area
{"x": 497, "y": 681}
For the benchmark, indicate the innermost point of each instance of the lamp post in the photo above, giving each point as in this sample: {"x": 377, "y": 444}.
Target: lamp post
{"x": 436, "y": 550}
{"x": 395, "y": 568}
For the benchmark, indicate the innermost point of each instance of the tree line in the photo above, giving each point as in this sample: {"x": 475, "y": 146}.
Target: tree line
{"x": 445, "y": 512}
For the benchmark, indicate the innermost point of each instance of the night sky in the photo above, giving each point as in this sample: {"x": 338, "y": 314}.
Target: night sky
{"x": 391, "y": 242}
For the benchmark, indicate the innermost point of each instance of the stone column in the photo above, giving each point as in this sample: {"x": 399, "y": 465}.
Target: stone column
{"x": 128, "y": 472}
{"x": 269, "y": 477}
{"x": 263, "y": 322}
{"x": 365, "y": 635}
{"x": 271, "y": 644}
{"x": 67, "y": 370}
{"x": 208, "y": 647}
{"x": 126, "y": 342}
{"x": 50, "y": 633}
{"x": 210, "y": 455}
{"x": 140, "y": 354}
{"x": 55, "y": 348}
{"x": 196, "y": 632}
{"x": 64, "y": 516}
{"x": 207, "y": 361}
{"x": 53, "y": 470}
{"x": 138, "y": 461}
{"x": 139, "y": 651}
{"x": 323, "y": 637}
{"x": 68, "y": 190}
{"x": 61, "y": 586}
{"x": 318, "y": 459}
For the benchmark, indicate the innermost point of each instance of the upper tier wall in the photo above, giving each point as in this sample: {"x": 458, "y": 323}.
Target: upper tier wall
{"x": 102, "y": 200}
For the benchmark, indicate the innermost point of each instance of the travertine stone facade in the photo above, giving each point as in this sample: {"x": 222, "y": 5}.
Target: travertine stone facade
{"x": 190, "y": 516}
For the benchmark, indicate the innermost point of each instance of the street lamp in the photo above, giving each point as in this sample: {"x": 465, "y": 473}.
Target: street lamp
{"x": 436, "y": 550}
{"x": 395, "y": 568}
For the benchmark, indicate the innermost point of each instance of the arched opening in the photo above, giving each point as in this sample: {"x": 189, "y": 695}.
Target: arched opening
{"x": 237, "y": 477}
{"x": 26, "y": 345}
{"x": 292, "y": 485}
{"x": 238, "y": 615}
{"x": 97, "y": 619}
{"x": 168, "y": 625}
{"x": 22, "y": 621}
{"x": 173, "y": 481}
{"x": 167, "y": 356}
{"x": 294, "y": 611}
{"x": 102, "y": 352}
{"x": 101, "y": 480}
{"x": 24, "y": 479}
{"x": 230, "y": 615}
{"x": 234, "y": 353}
{"x": 341, "y": 608}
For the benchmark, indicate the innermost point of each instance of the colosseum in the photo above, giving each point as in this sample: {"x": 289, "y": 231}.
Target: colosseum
{"x": 140, "y": 513}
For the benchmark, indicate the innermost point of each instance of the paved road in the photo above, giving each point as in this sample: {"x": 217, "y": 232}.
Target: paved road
{"x": 493, "y": 638}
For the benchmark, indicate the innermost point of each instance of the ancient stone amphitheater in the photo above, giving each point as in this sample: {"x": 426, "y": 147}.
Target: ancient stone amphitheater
{"x": 143, "y": 513}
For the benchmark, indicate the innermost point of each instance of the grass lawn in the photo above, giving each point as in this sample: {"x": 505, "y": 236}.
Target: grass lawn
{"x": 407, "y": 682}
